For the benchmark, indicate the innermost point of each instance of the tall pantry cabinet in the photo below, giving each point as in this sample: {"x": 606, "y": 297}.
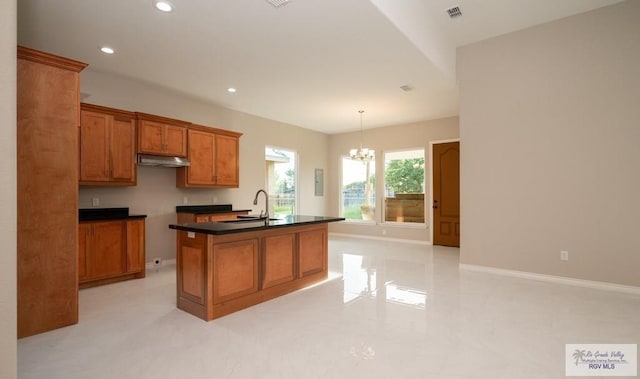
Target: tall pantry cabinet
{"x": 48, "y": 102}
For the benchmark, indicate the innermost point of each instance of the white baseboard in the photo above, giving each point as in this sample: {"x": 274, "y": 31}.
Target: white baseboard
{"x": 165, "y": 262}
{"x": 554, "y": 279}
{"x": 379, "y": 238}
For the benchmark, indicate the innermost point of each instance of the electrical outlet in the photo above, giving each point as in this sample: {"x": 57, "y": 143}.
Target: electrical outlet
{"x": 564, "y": 255}
{"x": 95, "y": 201}
{"x": 185, "y": 200}
{"x": 384, "y": 232}
{"x": 215, "y": 199}
{"x": 157, "y": 262}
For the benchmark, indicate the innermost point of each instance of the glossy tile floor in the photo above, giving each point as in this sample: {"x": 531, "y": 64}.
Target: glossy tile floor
{"x": 389, "y": 310}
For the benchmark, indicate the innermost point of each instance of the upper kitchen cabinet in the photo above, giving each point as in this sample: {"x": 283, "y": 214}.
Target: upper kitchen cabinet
{"x": 107, "y": 146}
{"x": 214, "y": 158}
{"x": 48, "y": 115}
{"x": 161, "y": 136}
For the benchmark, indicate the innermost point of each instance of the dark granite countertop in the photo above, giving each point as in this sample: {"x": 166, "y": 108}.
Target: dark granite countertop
{"x": 208, "y": 209}
{"x": 218, "y": 228}
{"x": 93, "y": 214}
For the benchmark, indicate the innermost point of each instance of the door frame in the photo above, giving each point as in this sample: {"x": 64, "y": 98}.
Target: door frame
{"x": 430, "y": 204}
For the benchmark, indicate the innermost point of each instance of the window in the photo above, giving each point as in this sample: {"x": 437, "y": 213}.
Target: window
{"x": 358, "y": 189}
{"x": 404, "y": 186}
{"x": 281, "y": 181}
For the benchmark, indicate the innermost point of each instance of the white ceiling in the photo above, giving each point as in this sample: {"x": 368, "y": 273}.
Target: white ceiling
{"x": 310, "y": 63}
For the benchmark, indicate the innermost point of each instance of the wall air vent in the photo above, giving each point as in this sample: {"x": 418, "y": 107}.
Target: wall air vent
{"x": 278, "y": 3}
{"x": 454, "y": 12}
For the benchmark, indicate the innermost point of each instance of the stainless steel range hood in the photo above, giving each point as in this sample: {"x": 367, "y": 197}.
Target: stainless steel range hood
{"x": 163, "y": 161}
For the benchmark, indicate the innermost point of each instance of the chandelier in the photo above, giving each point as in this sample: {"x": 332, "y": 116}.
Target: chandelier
{"x": 362, "y": 154}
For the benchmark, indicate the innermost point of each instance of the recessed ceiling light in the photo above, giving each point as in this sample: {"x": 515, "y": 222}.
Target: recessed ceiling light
{"x": 163, "y": 5}
{"x": 231, "y": 90}
{"x": 107, "y": 50}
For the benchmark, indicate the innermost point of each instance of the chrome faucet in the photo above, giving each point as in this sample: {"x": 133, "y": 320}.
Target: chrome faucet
{"x": 266, "y": 204}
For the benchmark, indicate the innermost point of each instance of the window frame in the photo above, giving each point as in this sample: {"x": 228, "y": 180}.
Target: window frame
{"x": 341, "y": 193}
{"x": 383, "y": 215}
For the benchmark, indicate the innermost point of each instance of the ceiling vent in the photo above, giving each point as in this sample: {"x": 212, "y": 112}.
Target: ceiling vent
{"x": 454, "y": 12}
{"x": 278, "y": 3}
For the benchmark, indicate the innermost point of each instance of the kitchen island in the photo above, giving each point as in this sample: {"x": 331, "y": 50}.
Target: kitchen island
{"x": 223, "y": 267}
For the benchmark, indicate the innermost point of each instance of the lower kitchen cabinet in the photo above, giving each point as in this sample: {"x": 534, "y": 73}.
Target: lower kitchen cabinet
{"x": 209, "y": 217}
{"x": 110, "y": 251}
{"x": 218, "y": 274}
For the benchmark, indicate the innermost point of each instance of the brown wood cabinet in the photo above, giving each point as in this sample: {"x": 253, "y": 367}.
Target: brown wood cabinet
{"x": 110, "y": 251}
{"x": 209, "y": 217}
{"x": 221, "y": 274}
{"x": 214, "y": 158}
{"x": 161, "y": 136}
{"x": 107, "y": 146}
{"x": 48, "y": 115}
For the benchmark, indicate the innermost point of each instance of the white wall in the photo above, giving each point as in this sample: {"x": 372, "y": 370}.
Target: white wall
{"x": 8, "y": 227}
{"x": 156, "y": 194}
{"x": 549, "y": 124}
{"x": 414, "y": 135}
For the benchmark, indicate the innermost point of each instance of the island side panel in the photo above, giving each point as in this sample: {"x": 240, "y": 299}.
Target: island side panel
{"x": 279, "y": 260}
{"x": 312, "y": 250}
{"x": 191, "y": 273}
{"x": 235, "y": 269}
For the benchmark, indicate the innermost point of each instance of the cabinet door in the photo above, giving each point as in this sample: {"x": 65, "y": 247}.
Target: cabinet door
{"x": 122, "y": 157}
{"x": 151, "y": 137}
{"x": 94, "y": 146}
{"x": 107, "y": 257}
{"x": 175, "y": 140}
{"x": 84, "y": 234}
{"x": 312, "y": 246}
{"x": 279, "y": 253}
{"x": 227, "y": 165}
{"x": 135, "y": 245}
{"x": 202, "y": 170}
{"x": 235, "y": 269}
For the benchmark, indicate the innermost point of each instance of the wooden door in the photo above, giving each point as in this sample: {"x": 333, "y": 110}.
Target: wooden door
{"x": 175, "y": 141}
{"x": 107, "y": 250}
{"x": 446, "y": 194}
{"x": 151, "y": 137}
{"x": 227, "y": 165}
{"x": 122, "y": 151}
{"x": 94, "y": 146}
{"x": 202, "y": 148}
{"x": 135, "y": 245}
